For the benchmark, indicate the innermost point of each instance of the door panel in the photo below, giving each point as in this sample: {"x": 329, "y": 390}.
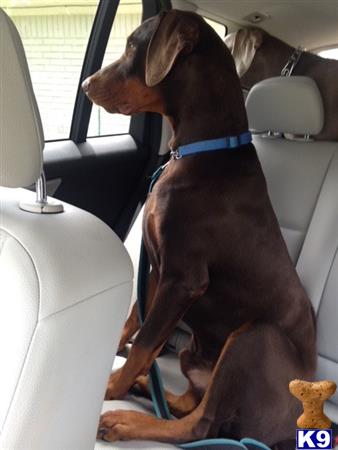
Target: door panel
{"x": 99, "y": 175}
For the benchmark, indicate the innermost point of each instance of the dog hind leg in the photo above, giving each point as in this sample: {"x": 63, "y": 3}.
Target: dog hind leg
{"x": 179, "y": 405}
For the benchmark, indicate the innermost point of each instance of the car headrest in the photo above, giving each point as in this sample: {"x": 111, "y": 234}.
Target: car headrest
{"x": 21, "y": 134}
{"x": 286, "y": 105}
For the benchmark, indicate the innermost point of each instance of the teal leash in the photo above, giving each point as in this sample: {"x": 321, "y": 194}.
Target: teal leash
{"x": 155, "y": 380}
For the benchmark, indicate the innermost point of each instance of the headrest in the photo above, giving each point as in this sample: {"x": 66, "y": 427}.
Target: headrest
{"x": 21, "y": 134}
{"x": 287, "y": 105}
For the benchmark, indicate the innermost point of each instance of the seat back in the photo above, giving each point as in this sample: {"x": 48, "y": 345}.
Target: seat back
{"x": 294, "y": 168}
{"x": 65, "y": 286}
{"x": 318, "y": 270}
{"x": 302, "y": 178}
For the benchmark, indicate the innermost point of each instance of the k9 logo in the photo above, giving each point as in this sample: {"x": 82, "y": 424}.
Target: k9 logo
{"x": 314, "y": 439}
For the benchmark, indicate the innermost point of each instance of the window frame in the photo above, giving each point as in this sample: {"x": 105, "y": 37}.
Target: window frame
{"x": 96, "y": 48}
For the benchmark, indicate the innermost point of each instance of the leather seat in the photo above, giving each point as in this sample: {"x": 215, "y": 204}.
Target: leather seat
{"x": 65, "y": 287}
{"x": 302, "y": 178}
{"x": 318, "y": 269}
{"x": 294, "y": 168}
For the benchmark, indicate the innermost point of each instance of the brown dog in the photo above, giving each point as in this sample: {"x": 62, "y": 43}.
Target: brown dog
{"x": 258, "y": 56}
{"x": 218, "y": 258}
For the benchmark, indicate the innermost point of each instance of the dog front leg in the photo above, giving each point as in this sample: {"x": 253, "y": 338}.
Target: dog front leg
{"x": 133, "y": 325}
{"x": 173, "y": 298}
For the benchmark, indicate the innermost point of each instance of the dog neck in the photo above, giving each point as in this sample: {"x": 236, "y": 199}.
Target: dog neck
{"x": 198, "y": 120}
{"x": 273, "y": 50}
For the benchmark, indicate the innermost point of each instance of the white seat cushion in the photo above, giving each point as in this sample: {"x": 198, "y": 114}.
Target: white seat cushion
{"x": 65, "y": 286}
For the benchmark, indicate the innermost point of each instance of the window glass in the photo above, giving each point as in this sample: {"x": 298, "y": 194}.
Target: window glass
{"x": 331, "y": 53}
{"x": 55, "y": 36}
{"x": 128, "y": 17}
{"x": 220, "y": 28}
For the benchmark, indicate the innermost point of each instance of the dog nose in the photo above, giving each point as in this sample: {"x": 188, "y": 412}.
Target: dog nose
{"x": 86, "y": 85}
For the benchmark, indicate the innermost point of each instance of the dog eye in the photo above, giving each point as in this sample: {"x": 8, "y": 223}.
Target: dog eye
{"x": 130, "y": 45}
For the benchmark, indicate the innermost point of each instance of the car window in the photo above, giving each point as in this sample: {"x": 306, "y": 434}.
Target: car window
{"x": 220, "y": 28}
{"x": 331, "y": 53}
{"x": 128, "y": 17}
{"x": 55, "y": 36}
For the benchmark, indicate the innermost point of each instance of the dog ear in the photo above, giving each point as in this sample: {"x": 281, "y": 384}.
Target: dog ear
{"x": 243, "y": 45}
{"x": 175, "y": 34}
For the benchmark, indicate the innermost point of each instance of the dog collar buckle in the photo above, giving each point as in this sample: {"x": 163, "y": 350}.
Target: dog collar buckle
{"x": 175, "y": 154}
{"x": 224, "y": 143}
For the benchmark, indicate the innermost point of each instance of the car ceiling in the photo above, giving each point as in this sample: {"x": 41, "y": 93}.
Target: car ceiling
{"x": 310, "y": 24}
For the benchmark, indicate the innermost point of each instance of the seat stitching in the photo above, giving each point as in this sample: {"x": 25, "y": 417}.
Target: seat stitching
{"x": 3, "y": 239}
{"x": 84, "y": 300}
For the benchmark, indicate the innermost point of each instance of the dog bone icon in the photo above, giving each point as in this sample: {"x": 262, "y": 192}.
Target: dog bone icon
{"x": 313, "y": 395}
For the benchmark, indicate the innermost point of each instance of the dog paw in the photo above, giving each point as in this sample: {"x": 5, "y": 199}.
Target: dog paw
{"x": 122, "y": 425}
{"x": 110, "y": 427}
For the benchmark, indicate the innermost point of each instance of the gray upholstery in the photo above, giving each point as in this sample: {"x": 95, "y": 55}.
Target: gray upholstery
{"x": 294, "y": 173}
{"x": 286, "y": 104}
{"x": 302, "y": 180}
{"x": 318, "y": 269}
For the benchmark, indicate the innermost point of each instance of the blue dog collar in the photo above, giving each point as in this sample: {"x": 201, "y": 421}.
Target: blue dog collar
{"x": 228, "y": 142}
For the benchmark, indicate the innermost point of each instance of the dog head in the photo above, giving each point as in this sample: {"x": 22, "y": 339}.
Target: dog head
{"x": 165, "y": 48}
{"x": 243, "y": 45}
{"x": 257, "y": 54}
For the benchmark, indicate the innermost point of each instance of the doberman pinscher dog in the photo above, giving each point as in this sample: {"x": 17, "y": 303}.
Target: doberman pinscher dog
{"x": 217, "y": 254}
{"x": 259, "y": 55}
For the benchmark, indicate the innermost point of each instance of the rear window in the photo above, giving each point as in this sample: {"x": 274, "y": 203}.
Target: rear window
{"x": 331, "y": 53}
{"x": 220, "y": 28}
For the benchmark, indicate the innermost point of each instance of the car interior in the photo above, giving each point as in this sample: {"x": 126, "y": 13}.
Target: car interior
{"x": 69, "y": 251}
